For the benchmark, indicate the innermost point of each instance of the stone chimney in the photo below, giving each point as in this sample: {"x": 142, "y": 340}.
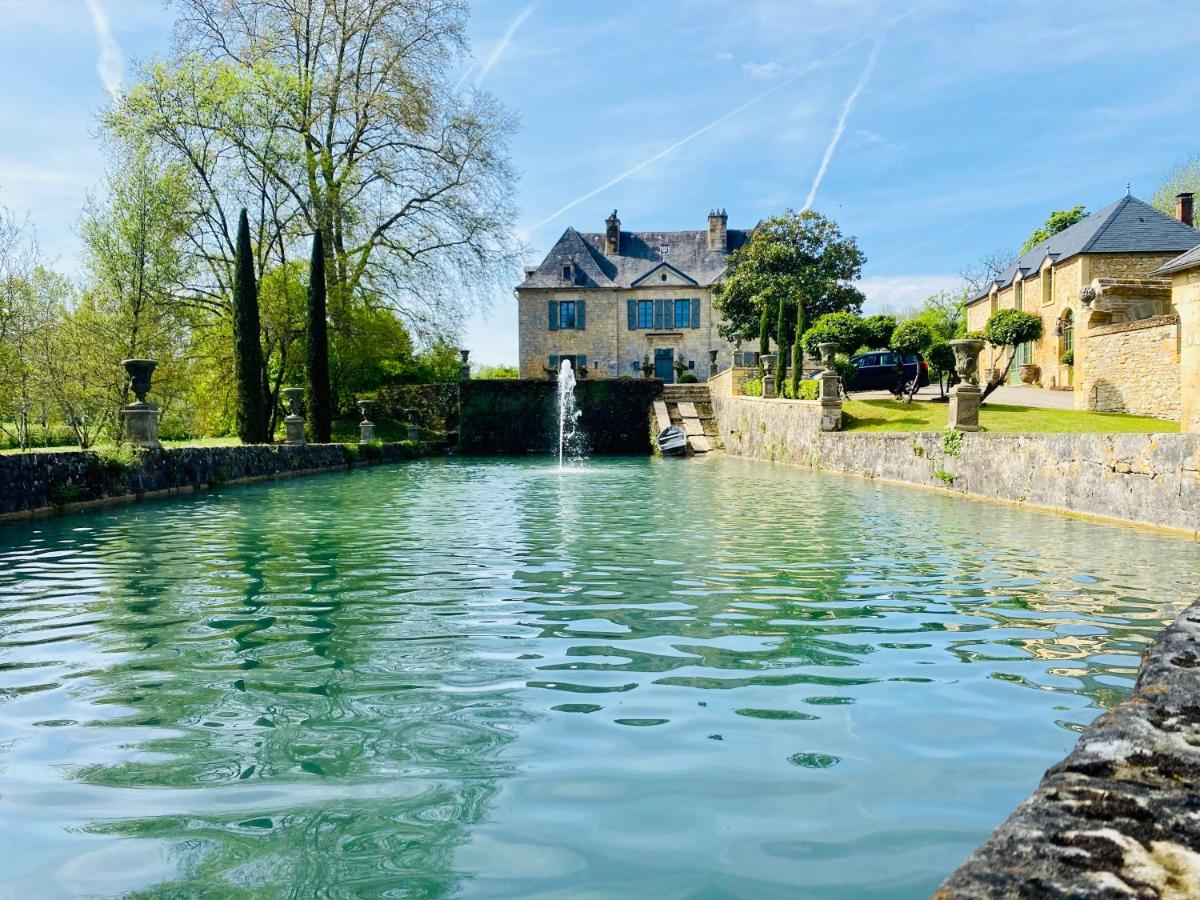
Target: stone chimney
{"x": 1183, "y": 208}
{"x": 718, "y": 234}
{"x": 612, "y": 235}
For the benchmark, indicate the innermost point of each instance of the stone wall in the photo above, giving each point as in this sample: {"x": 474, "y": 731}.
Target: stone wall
{"x": 508, "y": 417}
{"x": 33, "y": 483}
{"x": 1133, "y": 368}
{"x": 1118, "y": 816}
{"x": 1151, "y": 479}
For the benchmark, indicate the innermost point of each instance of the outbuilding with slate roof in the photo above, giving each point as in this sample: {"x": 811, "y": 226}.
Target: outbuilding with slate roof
{"x": 1184, "y": 272}
{"x": 615, "y": 301}
{"x": 1101, "y": 304}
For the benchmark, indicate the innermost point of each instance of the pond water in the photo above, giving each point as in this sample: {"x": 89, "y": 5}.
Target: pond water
{"x": 488, "y": 678}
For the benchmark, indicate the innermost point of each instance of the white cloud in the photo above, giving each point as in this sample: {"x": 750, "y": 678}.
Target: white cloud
{"x": 763, "y": 71}
{"x": 111, "y": 62}
{"x": 899, "y": 292}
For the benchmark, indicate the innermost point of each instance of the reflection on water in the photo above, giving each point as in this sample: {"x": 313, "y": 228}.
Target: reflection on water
{"x": 493, "y": 679}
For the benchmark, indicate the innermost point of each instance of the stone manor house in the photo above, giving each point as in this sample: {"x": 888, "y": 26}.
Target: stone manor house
{"x": 611, "y": 301}
{"x": 1111, "y": 327}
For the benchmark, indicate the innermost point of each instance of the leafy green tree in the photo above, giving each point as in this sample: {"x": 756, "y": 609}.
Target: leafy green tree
{"x": 877, "y": 332}
{"x": 940, "y": 356}
{"x": 1058, "y": 220}
{"x": 497, "y": 372}
{"x": 909, "y": 338}
{"x": 249, "y": 372}
{"x": 1008, "y": 329}
{"x": 782, "y": 339}
{"x": 1183, "y": 178}
{"x": 944, "y": 313}
{"x": 764, "y": 331}
{"x": 794, "y": 254}
{"x": 317, "y": 391}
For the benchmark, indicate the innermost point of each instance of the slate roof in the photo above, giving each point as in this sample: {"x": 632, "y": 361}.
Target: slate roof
{"x": 640, "y": 253}
{"x": 1183, "y": 261}
{"x": 1127, "y": 226}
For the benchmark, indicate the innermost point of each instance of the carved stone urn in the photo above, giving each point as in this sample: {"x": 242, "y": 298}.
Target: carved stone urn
{"x": 366, "y": 428}
{"x": 464, "y": 370}
{"x": 712, "y": 363}
{"x": 768, "y": 382}
{"x": 293, "y": 399}
{"x": 141, "y": 418}
{"x": 828, "y": 351}
{"x": 966, "y": 358}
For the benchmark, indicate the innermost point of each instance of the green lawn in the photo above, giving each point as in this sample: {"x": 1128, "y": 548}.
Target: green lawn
{"x": 892, "y": 415}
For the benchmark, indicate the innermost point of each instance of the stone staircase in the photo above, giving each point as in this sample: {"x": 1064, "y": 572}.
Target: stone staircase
{"x": 690, "y": 407}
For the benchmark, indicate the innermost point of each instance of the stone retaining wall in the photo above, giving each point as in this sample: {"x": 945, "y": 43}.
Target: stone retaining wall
{"x": 1150, "y": 479}
{"x": 1120, "y": 816}
{"x": 37, "y": 483}
{"x": 1133, "y": 368}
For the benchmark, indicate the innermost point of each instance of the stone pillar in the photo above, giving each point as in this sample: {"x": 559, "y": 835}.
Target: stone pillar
{"x": 141, "y": 418}
{"x": 293, "y": 423}
{"x": 712, "y": 363}
{"x": 768, "y": 382}
{"x": 1187, "y": 301}
{"x": 966, "y": 395}
{"x": 829, "y": 389}
{"x": 366, "y": 428}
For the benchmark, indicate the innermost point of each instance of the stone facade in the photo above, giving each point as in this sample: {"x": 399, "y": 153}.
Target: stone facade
{"x": 611, "y": 348}
{"x": 1186, "y": 292}
{"x": 1133, "y": 368}
{"x": 1150, "y": 479}
{"x": 614, "y": 301}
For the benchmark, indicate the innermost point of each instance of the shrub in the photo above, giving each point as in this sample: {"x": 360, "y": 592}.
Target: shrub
{"x": 940, "y": 357}
{"x": 878, "y": 331}
{"x": 808, "y": 389}
{"x": 912, "y": 336}
{"x": 689, "y": 378}
{"x": 1068, "y": 358}
{"x": 842, "y": 328}
{"x": 845, "y": 369}
{"x": 1010, "y": 327}
{"x": 752, "y": 387}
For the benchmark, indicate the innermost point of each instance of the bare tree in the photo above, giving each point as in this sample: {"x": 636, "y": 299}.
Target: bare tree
{"x": 983, "y": 271}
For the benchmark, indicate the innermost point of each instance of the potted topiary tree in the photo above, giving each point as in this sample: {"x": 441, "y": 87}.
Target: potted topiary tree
{"x": 1008, "y": 329}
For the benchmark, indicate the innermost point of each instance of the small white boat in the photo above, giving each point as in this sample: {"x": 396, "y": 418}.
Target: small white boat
{"x": 672, "y": 441}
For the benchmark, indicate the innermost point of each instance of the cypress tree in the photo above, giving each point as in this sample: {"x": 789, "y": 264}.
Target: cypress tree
{"x": 798, "y": 348}
{"x": 253, "y": 415}
{"x": 317, "y": 393}
{"x": 781, "y": 340}
{"x": 764, "y": 330}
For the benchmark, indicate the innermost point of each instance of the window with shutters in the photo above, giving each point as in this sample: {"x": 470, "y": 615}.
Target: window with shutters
{"x": 1019, "y": 296}
{"x": 645, "y": 314}
{"x": 683, "y": 313}
{"x": 566, "y": 314}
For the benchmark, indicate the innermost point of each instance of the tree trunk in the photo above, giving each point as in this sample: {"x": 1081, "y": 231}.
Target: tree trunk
{"x": 993, "y": 384}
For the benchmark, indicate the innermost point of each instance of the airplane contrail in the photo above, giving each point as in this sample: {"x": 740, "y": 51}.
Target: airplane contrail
{"x": 633, "y": 170}
{"x": 111, "y": 61}
{"x": 841, "y": 123}
{"x": 502, "y": 44}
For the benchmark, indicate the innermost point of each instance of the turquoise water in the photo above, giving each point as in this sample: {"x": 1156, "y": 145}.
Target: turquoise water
{"x": 643, "y": 679}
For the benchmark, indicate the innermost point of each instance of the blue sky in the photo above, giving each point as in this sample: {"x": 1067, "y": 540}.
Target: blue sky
{"x": 933, "y": 130}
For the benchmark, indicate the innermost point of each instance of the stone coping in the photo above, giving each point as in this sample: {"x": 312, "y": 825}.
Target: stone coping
{"x": 1120, "y": 816}
{"x": 1138, "y": 325}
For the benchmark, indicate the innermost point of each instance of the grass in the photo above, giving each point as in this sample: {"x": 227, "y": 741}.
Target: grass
{"x": 893, "y": 415}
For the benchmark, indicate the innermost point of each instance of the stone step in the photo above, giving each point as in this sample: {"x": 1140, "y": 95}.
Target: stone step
{"x": 699, "y": 443}
{"x": 661, "y": 415}
{"x": 687, "y": 409}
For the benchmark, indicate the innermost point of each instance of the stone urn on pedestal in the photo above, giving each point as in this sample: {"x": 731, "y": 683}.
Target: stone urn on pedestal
{"x": 293, "y": 423}
{"x": 712, "y": 363}
{"x": 829, "y": 388}
{"x": 464, "y": 370}
{"x": 141, "y": 418}
{"x": 966, "y": 395}
{"x": 414, "y": 431}
{"x": 768, "y": 381}
{"x": 366, "y": 428}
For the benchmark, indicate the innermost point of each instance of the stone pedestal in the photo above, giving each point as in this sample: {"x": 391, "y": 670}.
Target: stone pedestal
{"x": 830, "y": 395}
{"x": 964, "y": 406}
{"x": 366, "y": 428}
{"x": 768, "y": 384}
{"x": 768, "y": 381}
{"x": 414, "y": 434}
{"x": 712, "y": 363}
{"x": 141, "y": 425}
{"x": 294, "y": 426}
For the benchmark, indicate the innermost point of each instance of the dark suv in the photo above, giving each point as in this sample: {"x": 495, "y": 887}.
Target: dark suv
{"x": 876, "y": 371}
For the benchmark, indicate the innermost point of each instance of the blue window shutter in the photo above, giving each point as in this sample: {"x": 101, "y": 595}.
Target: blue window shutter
{"x": 553, "y": 315}
{"x": 695, "y": 313}
{"x": 631, "y": 311}
{"x": 580, "y": 306}
{"x": 581, "y": 361}
{"x": 554, "y": 363}
{"x": 660, "y": 315}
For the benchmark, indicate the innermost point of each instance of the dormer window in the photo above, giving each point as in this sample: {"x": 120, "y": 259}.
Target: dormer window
{"x": 568, "y": 270}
